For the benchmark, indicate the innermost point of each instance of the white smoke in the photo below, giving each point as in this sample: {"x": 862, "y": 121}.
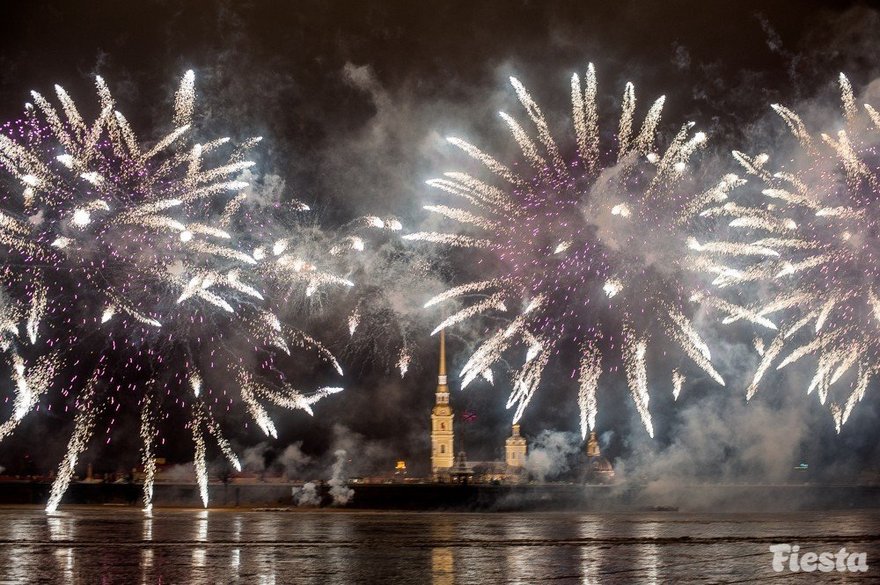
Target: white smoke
{"x": 307, "y": 495}
{"x": 339, "y": 490}
{"x": 289, "y": 462}
{"x": 549, "y": 456}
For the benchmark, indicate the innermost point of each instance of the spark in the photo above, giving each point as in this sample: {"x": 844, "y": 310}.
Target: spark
{"x": 403, "y": 360}
{"x": 818, "y": 218}
{"x": 569, "y": 238}
{"x": 127, "y": 243}
{"x": 678, "y": 380}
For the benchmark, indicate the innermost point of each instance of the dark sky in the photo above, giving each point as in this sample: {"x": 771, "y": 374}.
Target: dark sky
{"x": 352, "y": 97}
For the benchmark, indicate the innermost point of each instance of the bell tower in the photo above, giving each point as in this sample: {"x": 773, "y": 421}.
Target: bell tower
{"x": 442, "y": 452}
{"x": 515, "y": 449}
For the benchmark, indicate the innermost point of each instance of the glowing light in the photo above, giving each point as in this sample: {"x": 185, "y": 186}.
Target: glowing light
{"x": 813, "y": 253}
{"x": 81, "y": 217}
{"x": 125, "y": 232}
{"x": 555, "y": 228}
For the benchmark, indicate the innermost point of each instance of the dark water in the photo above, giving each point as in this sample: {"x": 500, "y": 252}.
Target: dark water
{"x": 122, "y": 545}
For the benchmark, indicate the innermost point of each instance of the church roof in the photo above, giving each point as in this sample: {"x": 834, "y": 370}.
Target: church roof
{"x": 489, "y": 466}
{"x": 600, "y": 465}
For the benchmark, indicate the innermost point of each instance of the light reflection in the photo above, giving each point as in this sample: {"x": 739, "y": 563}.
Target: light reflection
{"x": 147, "y": 533}
{"x": 235, "y": 553}
{"x": 442, "y": 566}
{"x": 236, "y": 528}
{"x": 200, "y": 553}
{"x": 202, "y": 525}
{"x": 147, "y": 552}
{"x": 235, "y": 560}
{"x": 146, "y": 566}
{"x": 523, "y": 562}
{"x": 442, "y": 557}
{"x": 266, "y": 565}
{"x": 647, "y": 554}
{"x": 172, "y": 547}
{"x": 198, "y": 557}
{"x": 590, "y": 552}
{"x": 64, "y": 557}
{"x": 61, "y": 526}
{"x": 340, "y": 529}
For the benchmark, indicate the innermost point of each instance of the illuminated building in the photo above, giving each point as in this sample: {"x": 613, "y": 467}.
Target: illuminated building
{"x": 400, "y": 471}
{"x": 515, "y": 450}
{"x": 445, "y": 466}
{"x": 598, "y": 469}
{"x": 442, "y": 453}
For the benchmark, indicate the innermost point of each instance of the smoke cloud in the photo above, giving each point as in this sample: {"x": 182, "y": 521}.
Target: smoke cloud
{"x": 339, "y": 491}
{"x": 550, "y": 454}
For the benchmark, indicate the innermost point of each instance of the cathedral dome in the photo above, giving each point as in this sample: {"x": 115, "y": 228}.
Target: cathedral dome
{"x": 600, "y": 465}
{"x": 597, "y": 467}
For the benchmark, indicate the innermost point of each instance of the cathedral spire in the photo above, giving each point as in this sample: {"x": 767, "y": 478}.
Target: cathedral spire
{"x": 442, "y": 436}
{"x": 441, "y": 378}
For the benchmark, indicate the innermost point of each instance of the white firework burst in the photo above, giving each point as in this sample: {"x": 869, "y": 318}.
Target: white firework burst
{"x": 119, "y": 251}
{"x": 584, "y": 252}
{"x": 811, "y": 240}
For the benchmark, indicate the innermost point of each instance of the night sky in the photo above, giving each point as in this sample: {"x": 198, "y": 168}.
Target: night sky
{"x": 353, "y": 99}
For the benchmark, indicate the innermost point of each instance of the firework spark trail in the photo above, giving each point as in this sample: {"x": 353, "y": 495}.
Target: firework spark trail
{"x": 637, "y": 377}
{"x": 678, "y": 380}
{"x": 198, "y": 423}
{"x": 818, "y": 215}
{"x": 141, "y": 243}
{"x": 403, "y": 360}
{"x": 84, "y": 425}
{"x": 30, "y": 384}
{"x": 578, "y": 247}
{"x": 148, "y": 445}
{"x": 590, "y": 370}
{"x": 384, "y": 316}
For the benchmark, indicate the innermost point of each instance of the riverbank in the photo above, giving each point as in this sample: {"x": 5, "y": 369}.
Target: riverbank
{"x": 481, "y": 497}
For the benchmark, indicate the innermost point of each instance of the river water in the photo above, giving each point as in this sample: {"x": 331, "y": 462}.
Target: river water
{"x": 122, "y": 545}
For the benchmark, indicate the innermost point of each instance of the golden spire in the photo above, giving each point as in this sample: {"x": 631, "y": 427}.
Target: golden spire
{"x": 442, "y": 352}
{"x": 441, "y": 378}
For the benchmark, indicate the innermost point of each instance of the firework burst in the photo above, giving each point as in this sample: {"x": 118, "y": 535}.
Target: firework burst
{"x": 121, "y": 266}
{"x": 812, "y": 242}
{"x": 365, "y": 249}
{"x": 387, "y": 317}
{"x": 587, "y": 251}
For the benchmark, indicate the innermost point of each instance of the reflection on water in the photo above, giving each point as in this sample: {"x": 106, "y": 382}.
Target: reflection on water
{"x": 442, "y": 558}
{"x": 146, "y": 565}
{"x": 61, "y": 526}
{"x": 62, "y": 529}
{"x": 64, "y": 556}
{"x": 648, "y": 552}
{"x": 590, "y": 556}
{"x": 338, "y": 547}
{"x": 201, "y": 535}
{"x": 442, "y": 566}
{"x": 147, "y": 552}
{"x": 148, "y": 526}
